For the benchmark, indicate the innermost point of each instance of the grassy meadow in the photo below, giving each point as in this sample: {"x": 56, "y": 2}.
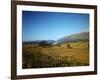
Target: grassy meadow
{"x": 62, "y": 55}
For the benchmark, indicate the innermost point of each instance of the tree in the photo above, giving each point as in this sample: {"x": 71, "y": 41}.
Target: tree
{"x": 68, "y": 45}
{"x": 44, "y": 44}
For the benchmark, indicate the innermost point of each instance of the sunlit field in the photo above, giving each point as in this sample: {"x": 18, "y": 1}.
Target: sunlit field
{"x": 62, "y": 55}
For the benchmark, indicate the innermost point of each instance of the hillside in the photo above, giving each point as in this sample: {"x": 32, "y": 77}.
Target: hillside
{"x": 82, "y": 36}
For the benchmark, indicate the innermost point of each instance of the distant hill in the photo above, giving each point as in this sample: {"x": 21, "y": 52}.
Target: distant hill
{"x": 50, "y": 41}
{"x": 82, "y": 36}
{"x": 38, "y": 41}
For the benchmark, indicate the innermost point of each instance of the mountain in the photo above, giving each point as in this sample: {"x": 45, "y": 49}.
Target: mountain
{"x": 38, "y": 41}
{"x": 50, "y": 41}
{"x": 82, "y": 36}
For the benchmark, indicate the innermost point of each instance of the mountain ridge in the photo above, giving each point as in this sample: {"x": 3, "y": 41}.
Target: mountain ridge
{"x": 81, "y": 36}
{"x": 75, "y": 37}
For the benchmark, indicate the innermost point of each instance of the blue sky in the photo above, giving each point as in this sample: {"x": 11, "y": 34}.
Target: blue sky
{"x": 52, "y": 25}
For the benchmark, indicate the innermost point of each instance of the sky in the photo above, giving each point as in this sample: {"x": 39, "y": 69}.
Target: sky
{"x": 38, "y": 25}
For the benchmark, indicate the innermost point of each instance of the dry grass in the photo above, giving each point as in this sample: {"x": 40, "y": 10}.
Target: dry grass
{"x": 36, "y": 56}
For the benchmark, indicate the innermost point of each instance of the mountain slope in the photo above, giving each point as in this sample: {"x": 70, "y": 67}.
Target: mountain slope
{"x": 75, "y": 37}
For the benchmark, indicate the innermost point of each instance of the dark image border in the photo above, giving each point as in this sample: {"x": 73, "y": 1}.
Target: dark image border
{"x": 14, "y": 4}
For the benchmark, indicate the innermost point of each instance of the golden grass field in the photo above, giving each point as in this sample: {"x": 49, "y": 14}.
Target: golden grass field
{"x": 56, "y": 56}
